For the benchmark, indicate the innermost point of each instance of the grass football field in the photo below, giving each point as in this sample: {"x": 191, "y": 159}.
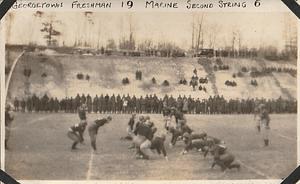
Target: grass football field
{"x": 39, "y": 149}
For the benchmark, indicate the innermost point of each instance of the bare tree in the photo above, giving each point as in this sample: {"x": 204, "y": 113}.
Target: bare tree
{"x": 200, "y": 22}
{"x": 51, "y": 33}
{"x": 128, "y": 43}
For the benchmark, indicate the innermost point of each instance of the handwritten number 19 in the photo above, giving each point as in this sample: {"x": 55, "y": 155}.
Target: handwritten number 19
{"x": 128, "y": 4}
{"x": 257, "y": 3}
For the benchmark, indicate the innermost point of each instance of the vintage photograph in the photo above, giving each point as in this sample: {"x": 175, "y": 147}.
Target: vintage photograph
{"x": 150, "y": 95}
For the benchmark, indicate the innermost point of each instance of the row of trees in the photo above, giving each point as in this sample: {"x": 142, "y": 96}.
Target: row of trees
{"x": 203, "y": 35}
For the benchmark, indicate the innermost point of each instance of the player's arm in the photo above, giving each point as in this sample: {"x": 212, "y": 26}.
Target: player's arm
{"x": 213, "y": 164}
{"x": 163, "y": 149}
{"x": 187, "y": 147}
{"x": 174, "y": 138}
{"x": 158, "y": 150}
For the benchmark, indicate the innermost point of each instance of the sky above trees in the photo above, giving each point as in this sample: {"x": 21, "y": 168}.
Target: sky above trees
{"x": 218, "y": 30}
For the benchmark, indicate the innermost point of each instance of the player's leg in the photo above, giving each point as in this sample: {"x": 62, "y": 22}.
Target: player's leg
{"x": 227, "y": 160}
{"x": 74, "y": 137}
{"x": 137, "y": 141}
{"x": 265, "y": 134}
{"x": 145, "y": 148}
{"x": 258, "y": 125}
{"x": 93, "y": 135}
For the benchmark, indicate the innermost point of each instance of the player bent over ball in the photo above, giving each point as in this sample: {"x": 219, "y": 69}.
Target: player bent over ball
{"x": 144, "y": 133}
{"x": 223, "y": 158}
{"x": 75, "y": 133}
{"x": 93, "y": 130}
{"x": 158, "y": 144}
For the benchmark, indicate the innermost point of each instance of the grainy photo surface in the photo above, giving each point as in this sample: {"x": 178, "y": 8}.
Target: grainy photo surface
{"x": 150, "y": 96}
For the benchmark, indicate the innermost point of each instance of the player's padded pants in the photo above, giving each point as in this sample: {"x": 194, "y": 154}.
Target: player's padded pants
{"x": 93, "y": 136}
{"x": 143, "y": 144}
{"x": 225, "y": 161}
{"x": 73, "y": 136}
{"x": 145, "y": 147}
{"x": 265, "y": 130}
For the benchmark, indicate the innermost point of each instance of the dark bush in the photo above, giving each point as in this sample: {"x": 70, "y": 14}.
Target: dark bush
{"x": 240, "y": 74}
{"x": 87, "y": 77}
{"x": 80, "y": 76}
{"x": 254, "y": 83}
{"x": 44, "y": 75}
{"x": 27, "y": 72}
{"x": 153, "y": 80}
{"x": 230, "y": 83}
{"x": 125, "y": 81}
{"x": 244, "y": 69}
{"x": 166, "y": 83}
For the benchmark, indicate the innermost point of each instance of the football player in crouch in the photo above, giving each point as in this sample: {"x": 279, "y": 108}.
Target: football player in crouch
{"x": 93, "y": 130}
{"x": 75, "y": 133}
{"x": 157, "y": 144}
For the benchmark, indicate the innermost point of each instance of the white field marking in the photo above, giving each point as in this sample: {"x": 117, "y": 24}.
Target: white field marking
{"x": 285, "y": 137}
{"x": 89, "y": 171}
{"x": 256, "y": 171}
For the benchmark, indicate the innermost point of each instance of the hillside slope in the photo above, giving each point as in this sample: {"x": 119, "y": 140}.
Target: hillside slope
{"x": 106, "y": 74}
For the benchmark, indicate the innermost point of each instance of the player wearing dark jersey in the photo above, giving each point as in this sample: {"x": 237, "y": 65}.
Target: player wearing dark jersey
{"x": 192, "y": 136}
{"x": 179, "y": 117}
{"x": 130, "y": 128}
{"x": 157, "y": 144}
{"x": 82, "y": 113}
{"x": 93, "y": 130}
{"x": 142, "y": 140}
{"x": 223, "y": 158}
{"x": 75, "y": 133}
{"x": 264, "y": 123}
{"x": 197, "y": 141}
{"x": 178, "y": 133}
{"x": 175, "y": 134}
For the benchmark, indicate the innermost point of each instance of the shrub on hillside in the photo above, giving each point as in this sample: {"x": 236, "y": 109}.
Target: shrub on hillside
{"x": 254, "y": 83}
{"x": 183, "y": 82}
{"x": 244, "y": 69}
{"x": 125, "y": 81}
{"x": 27, "y": 72}
{"x": 153, "y": 80}
{"x": 230, "y": 83}
{"x": 240, "y": 74}
{"x": 79, "y": 76}
{"x": 44, "y": 75}
{"x": 166, "y": 83}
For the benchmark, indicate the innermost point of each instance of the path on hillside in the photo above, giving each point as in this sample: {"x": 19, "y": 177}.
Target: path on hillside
{"x": 210, "y": 74}
{"x": 277, "y": 83}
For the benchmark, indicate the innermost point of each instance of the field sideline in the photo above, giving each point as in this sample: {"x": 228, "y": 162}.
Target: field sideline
{"x": 40, "y": 150}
